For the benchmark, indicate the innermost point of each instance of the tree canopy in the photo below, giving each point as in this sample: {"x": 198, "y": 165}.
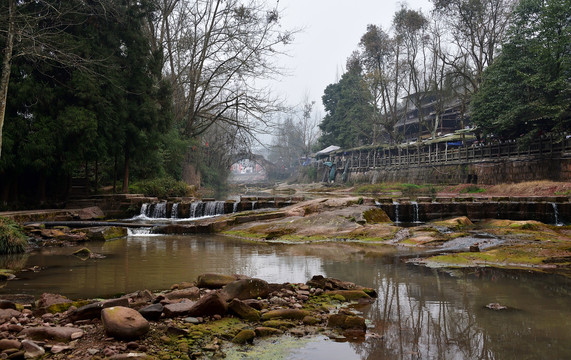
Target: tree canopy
{"x": 526, "y": 91}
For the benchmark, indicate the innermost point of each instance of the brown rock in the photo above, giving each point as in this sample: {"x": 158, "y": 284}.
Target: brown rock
{"x": 246, "y": 289}
{"x": 124, "y": 323}
{"x": 294, "y": 314}
{"x": 192, "y": 293}
{"x": 344, "y": 321}
{"x": 58, "y": 333}
{"x": 178, "y": 309}
{"x": 209, "y": 305}
{"x": 91, "y": 213}
{"x": 9, "y": 344}
{"x": 242, "y": 310}
{"x": 46, "y": 300}
{"x": 6, "y": 304}
{"x": 214, "y": 281}
{"x": 93, "y": 311}
{"x": 7, "y": 314}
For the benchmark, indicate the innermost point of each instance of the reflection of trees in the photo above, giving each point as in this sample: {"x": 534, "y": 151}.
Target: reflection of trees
{"x": 427, "y": 314}
{"x": 14, "y": 262}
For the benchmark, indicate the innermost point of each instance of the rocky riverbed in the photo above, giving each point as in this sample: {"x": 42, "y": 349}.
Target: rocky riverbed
{"x": 199, "y": 319}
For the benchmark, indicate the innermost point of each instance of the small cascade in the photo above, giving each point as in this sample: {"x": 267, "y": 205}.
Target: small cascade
{"x": 235, "y": 206}
{"x": 174, "y": 211}
{"x": 214, "y": 208}
{"x": 160, "y": 210}
{"x": 396, "y": 204}
{"x": 208, "y": 208}
{"x": 415, "y": 218}
{"x": 144, "y": 209}
{"x": 556, "y": 215}
{"x": 254, "y": 204}
{"x": 196, "y": 209}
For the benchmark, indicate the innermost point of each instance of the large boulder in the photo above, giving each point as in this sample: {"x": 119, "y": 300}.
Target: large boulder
{"x": 246, "y": 289}
{"x": 124, "y": 323}
{"x": 215, "y": 281}
{"x": 56, "y": 333}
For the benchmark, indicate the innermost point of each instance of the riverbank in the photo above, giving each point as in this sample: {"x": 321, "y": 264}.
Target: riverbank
{"x": 205, "y": 318}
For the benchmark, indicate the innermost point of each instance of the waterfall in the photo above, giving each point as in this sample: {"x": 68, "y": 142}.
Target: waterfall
{"x": 235, "y": 206}
{"x": 254, "y": 204}
{"x": 214, "y": 208}
{"x": 396, "y": 204}
{"x": 174, "y": 211}
{"x": 208, "y": 208}
{"x": 196, "y": 209}
{"x": 144, "y": 209}
{"x": 160, "y": 210}
{"x": 556, "y": 215}
{"x": 415, "y": 218}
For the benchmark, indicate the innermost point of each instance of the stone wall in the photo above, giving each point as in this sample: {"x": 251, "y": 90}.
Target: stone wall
{"x": 511, "y": 170}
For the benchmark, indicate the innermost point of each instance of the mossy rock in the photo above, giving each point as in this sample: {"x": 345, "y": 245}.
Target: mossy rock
{"x": 376, "y": 216}
{"x": 6, "y": 274}
{"x": 244, "y": 336}
{"x": 62, "y": 307}
{"x": 83, "y": 253}
{"x": 279, "y": 324}
{"x": 347, "y": 295}
{"x": 264, "y": 331}
{"x": 455, "y": 223}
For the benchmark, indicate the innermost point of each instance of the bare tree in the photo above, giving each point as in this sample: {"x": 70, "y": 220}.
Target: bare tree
{"x": 381, "y": 59}
{"x": 215, "y": 52}
{"x": 476, "y": 30}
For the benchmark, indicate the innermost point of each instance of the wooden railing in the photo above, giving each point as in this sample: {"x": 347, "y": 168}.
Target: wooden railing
{"x": 443, "y": 154}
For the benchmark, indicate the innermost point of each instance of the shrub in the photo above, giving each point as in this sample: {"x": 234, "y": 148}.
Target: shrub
{"x": 162, "y": 188}
{"x": 12, "y": 238}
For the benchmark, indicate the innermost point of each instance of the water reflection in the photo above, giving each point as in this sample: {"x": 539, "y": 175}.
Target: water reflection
{"x": 420, "y": 313}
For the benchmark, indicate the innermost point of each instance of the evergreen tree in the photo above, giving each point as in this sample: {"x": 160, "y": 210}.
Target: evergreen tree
{"x": 526, "y": 91}
{"x": 348, "y": 103}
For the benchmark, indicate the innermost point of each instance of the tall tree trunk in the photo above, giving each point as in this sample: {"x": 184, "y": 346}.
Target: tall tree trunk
{"x": 6, "y": 68}
{"x": 126, "y": 173}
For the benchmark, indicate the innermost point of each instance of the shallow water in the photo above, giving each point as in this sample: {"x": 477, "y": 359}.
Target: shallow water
{"x": 421, "y": 313}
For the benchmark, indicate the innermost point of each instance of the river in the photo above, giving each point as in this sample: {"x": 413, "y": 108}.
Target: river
{"x": 420, "y": 313}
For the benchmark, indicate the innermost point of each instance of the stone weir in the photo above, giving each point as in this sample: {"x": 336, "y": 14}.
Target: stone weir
{"x": 550, "y": 210}
{"x": 181, "y": 208}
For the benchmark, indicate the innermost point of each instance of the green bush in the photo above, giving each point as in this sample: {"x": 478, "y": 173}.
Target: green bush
{"x": 12, "y": 238}
{"x": 162, "y": 188}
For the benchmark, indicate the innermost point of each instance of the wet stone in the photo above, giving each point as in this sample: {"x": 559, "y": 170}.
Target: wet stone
{"x": 152, "y": 312}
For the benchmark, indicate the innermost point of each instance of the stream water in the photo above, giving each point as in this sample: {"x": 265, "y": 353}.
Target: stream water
{"x": 420, "y": 313}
